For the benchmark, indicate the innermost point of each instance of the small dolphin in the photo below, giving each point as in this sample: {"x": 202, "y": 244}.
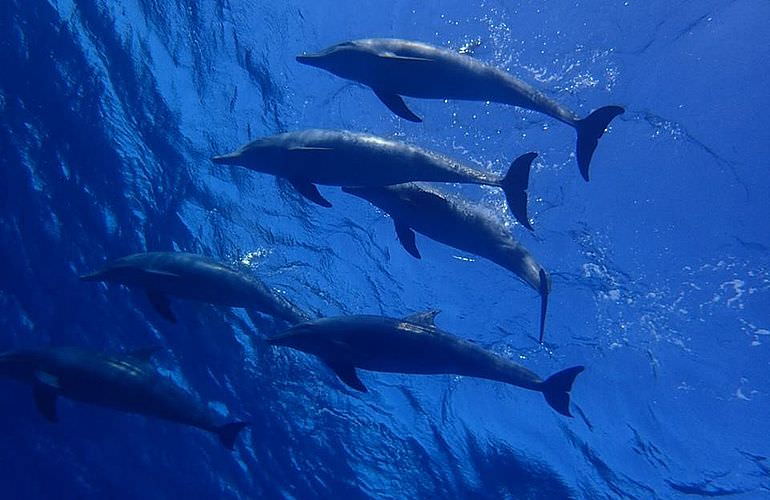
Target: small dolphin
{"x": 393, "y": 68}
{"x": 195, "y": 277}
{"x": 459, "y": 224}
{"x": 126, "y": 383}
{"x": 342, "y": 158}
{"x": 414, "y": 345}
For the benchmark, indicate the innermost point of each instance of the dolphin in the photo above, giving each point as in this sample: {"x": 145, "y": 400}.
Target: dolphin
{"x": 414, "y": 345}
{"x": 393, "y": 68}
{"x": 459, "y": 224}
{"x": 342, "y": 158}
{"x": 126, "y": 383}
{"x": 195, "y": 277}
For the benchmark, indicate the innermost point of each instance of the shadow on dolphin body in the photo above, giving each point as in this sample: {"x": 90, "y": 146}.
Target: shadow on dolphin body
{"x": 460, "y": 224}
{"x": 393, "y": 68}
{"x": 342, "y": 158}
{"x": 413, "y": 345}
{"x": 126, "y": 382}
{"x": 195, "y": 277}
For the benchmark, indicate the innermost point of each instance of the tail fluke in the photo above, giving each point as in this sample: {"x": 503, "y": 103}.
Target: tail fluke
{"x": 229, "y": 432}
{"x": 556, "y": 389}
{"x": 515, "y": 184}
{"x": 545, "y": 289}
{"x": 589, "y": 130}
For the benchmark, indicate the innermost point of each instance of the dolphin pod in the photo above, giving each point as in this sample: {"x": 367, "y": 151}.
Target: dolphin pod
{"x": 459, "y": 224}
{"x": 122, "y": 382}
{"x": 373, "y": 168}
{"x": 393, "y": 68}
{"x": 336, "y": 157}
{"x": 414, "y": 345}
{"x": 195, "y": 277}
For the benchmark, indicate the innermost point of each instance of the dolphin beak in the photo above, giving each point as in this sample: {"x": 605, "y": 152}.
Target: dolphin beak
{"x": 95, "y": 276}
{"x": 228, "y": 159}
{"x": 281, "y": 339}
{"x": 309, "y": 59}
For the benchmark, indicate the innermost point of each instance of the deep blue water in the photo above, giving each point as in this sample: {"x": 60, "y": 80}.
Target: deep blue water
{"x": 661, "y": 275}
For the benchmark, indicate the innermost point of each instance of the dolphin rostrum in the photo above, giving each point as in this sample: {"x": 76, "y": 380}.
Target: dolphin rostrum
{"x": 414, "y": 345}
{"x": 459, "y": 224}
{"x": 126, "y": 383}
{"x": 393, "y": 68}
{"x": 195, "y": 277}
{"x": 341, "y": 158}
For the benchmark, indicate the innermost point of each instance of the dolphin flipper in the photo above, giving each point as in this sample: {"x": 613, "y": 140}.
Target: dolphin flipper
{"x": 45, "y": 400}
{"x": 589, "y": 130}
{"x": 396, "y": 104}
{"x": 515, "y": 185}
{"x": 310, "y": 191}
{"x": 347, "y": 374}
{"x": 407, "y": 238}
{"x": 162, "y": 304}
{"x": 424, "y": 318}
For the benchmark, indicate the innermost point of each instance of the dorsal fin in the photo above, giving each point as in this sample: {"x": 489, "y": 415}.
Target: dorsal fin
{"x": 424, "y": 318}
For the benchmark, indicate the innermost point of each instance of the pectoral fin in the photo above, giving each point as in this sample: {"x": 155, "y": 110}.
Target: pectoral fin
{"x": 347, "y": 374}
{"x": 45, "y": 399}
{"x": 424, "y": 318}
{"x": 396, "y": 104}
{"x": 407, "y": 238}
{"x": 162, "y": 304}
{"x": 310, "y": 191}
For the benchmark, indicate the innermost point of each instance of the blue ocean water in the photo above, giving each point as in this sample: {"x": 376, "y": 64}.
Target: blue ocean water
{"x": 661, "y": 276}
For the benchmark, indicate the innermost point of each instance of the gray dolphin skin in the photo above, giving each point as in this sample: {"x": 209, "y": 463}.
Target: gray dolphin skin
{"x": 127, "y": 383}
{"x": 460, "y": 224}
{"x": 195, "y": 277}
{"x": 414, "y": 345}
{"x": 393, "y": 68}
{"x": 341, "y": 158}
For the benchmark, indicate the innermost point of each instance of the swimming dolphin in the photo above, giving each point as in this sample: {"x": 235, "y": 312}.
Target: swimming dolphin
{"x": 195, "y": 277}
{"x": 342, "y": 158}
{"x": 393, "y": 68}
{"x": 126, "y": 383}
{"x": 459, "y": 224}
{"x": 414, "y": 345}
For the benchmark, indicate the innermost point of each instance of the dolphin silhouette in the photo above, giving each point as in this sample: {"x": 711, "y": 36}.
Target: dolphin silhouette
{"x": 126, "y": 383}
{"x": 393, "y": 68}
{"x": 414, "y": 345}
{"x": 195, "y": 277}
{"x": 459, "y": 224}
{"x": 342, "y": 158}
